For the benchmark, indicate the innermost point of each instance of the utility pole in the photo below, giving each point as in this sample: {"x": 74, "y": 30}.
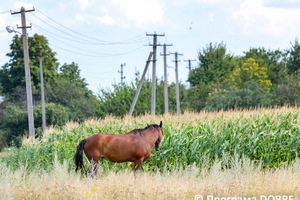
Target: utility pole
{"x": 122, "y": 73}
{"x": 42, "y": 95}
{"x": 140, "y": 85}
{"x": 165, "y": 77}
{"x": 190, "y": 67}
{"x": 27, "y": 70}
{"x": 154, "y": 70}
{"x": 177, "y": 84}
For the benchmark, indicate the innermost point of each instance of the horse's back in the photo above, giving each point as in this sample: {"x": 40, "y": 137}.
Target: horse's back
{"x": 116, "y": 148}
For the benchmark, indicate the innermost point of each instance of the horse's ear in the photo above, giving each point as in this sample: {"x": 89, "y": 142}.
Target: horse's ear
{"x": 160, "y": 125}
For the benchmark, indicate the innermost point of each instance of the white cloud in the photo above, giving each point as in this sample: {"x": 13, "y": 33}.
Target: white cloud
{"x": 211, "y": 16}
{"x": 146, "y": 11}
{"x": 83, "y": 4}
{"x": 258, "y": 19}
{"x": 106, "y": 19}
{"x": 18, "y": 5}
{"x": 79, "y": 17}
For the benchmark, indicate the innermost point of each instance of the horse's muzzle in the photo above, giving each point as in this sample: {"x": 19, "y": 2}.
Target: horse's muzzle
{"x": 157, "y": 148}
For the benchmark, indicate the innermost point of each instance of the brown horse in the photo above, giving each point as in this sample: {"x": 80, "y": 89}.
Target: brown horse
{"x": 134, "y": 146}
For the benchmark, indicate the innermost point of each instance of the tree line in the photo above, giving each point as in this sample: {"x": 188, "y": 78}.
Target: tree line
{"x": 221, "y": 80}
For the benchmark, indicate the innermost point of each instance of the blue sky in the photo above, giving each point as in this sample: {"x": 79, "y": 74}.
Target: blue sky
{"x": 188, "y": 24}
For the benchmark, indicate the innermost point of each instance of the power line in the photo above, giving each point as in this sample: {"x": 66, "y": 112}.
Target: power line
{"x": 100, "y": 42}
{"x": 75, "y": 46}
{"x": 167, "y": 43}
{"x": 65, "y": 32}
{"x": 4, "y": 12}
{"x": 107, "y": 55}
{"x": 46, "y": 31}
{"x": 82, "y": 34}
{"x": 132, "y": 51}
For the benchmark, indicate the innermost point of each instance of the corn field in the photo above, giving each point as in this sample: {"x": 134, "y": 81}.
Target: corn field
{"x": 270, "y": 137}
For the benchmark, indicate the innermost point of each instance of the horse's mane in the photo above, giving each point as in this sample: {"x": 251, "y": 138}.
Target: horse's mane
{"x": 150, "y": 126}
{"x": 136, "y": 131}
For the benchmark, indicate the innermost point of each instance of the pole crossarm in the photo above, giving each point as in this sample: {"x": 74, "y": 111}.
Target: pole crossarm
{"x": 24, "y": 26}
{"x": 18, "y": 12}
{"x": 159, "y": 45}
{"x": 189, "y": 60}
{"x": 154, "y": 34}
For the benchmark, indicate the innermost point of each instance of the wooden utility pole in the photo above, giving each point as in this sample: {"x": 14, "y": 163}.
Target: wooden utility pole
{"x": 190, "y": 67}
{"x": 42, "y": 95}
{"x": 165, "y": 77}
{"x": 140, "y": 85}
{"x": 153, "y": 92}
{"x": 27, "y": 70}
{"x": 122, "y": 77}
{"x": 177, "y": 83}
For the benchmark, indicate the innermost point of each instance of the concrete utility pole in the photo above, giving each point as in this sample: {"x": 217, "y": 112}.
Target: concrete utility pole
{"x": 42, "y": 95}
{"x": 165, "y": 77}
{"x": 140, "y": 85}
{"x": 122, "y": 78}
{"x": 190, "y": 67}
{"x": 177, "y": 84}
{"x": 154, "y": 70}
{"x": 27, "y": 70}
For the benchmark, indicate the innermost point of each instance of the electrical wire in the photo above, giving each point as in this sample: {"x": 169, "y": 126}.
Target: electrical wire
{"x": 85, "y": 35}
{"x": 65, "y": 32}
{"x": 132, "y": 51}
{"x": 47, "y": 32}
{"x": 168, "y": 43}
{"x": 5, "y": 12}
{"x": 108, "y": 55}
{"x": 74, "y": 46}
{"x": 99, "y": 42}
{"x": 44, "y": 31}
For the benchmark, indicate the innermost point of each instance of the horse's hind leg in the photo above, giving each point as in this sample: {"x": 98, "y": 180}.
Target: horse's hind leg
{"x": 94, "y": 163}
{"x": 137, "y": 165}
{"x": 93, "y": 168}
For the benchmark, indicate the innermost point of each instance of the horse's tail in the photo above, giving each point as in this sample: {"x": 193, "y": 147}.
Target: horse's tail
{"x": 78, "y": 156}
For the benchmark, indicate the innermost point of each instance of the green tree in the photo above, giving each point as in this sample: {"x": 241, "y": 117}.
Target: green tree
{"x": 251, "y": 71}
{"x": 71, "y": 73}
{"x": 214, "y": 70}
{"x": 12, "y": 74}
{"x": 14, "y": 123}
{"x": 215, "y": 65}
{"x": 293, "y": 58}
{"x": 118, "y": 101}
{"x": 249, "y": 96}
{"x": 273, "y": 61}
{"x": 63, "y": 86}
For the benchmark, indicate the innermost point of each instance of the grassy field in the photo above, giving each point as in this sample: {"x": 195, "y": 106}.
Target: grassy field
{"x": 225, "y": 154}
{"x": 242, "y": 180}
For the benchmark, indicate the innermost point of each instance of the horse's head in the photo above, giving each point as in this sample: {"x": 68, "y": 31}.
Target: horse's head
{"x": 160, "y": 134}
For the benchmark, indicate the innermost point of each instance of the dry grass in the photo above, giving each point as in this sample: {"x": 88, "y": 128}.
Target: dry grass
{"x": 243, "y": 180}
